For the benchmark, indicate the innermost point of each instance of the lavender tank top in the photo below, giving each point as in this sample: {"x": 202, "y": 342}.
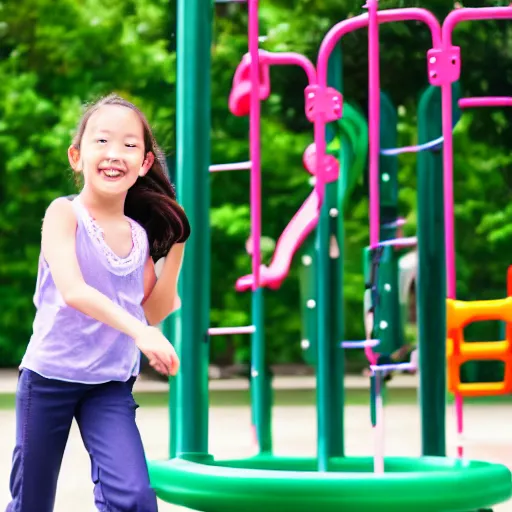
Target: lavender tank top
{"x": 68, "y": 345}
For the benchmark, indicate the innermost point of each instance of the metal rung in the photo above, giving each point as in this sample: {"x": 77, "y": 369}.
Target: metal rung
{"x": 393, "y": 367}
{"x": 219, "y": 331}
{"x": 411, "y": 241}
{"x": 395, "y": 224}
{"x": 237, "y": 166}
{"x": 359, "y": 344}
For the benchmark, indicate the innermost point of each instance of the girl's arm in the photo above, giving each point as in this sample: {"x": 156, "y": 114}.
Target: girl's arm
{"x": 59, "y": 251}
{"x": 161, "y": 299}
{"x": 58, "y": 247}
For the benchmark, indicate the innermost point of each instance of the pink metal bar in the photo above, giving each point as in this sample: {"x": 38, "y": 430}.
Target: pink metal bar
{"x": 238, "y": 166}
{"x": 290, "y": 59}
{"x": 254, "y": 140}
{"x": 326, "y": 48}
{"x": 472, "y": 14}
{"x": 486, "y": 101}
{"x": 350, "y": 25}
{"x": 374, "y": 119}
{"x": 220, "y": 331}
{"x": 451, "y": 21}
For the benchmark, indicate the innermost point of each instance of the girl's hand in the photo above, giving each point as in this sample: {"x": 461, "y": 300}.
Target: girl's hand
{"x": 160, "y": 353}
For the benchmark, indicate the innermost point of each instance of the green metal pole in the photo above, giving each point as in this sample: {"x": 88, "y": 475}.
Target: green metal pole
{"x": 189, "y": 410}
{"x": 336, "y": 301}
{"x": 330, "y": 394}
{"x": 261, "y": 382}
{"x": 431, "y": 283}
{"x": 324, "y": 343}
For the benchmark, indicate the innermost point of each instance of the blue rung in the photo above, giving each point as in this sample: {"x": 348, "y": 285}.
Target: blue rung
{"x": 392, "y": 367}
{"x": 410, "y": 241}
{"x": 359, "y": 344}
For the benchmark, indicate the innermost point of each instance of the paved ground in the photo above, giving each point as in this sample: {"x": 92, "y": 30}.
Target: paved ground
{"x": 488, "y": 431}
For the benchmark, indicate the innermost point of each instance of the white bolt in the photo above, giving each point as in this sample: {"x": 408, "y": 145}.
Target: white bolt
{"x": 385, "y": 177}
{"x": 333, "y": 212}
{"x": 383, "y": 324}
{"x": 254, "y": 373}
{"x": 307, "y": 260}
{"x": 387, "y": 287}
{"x": 304, "y": 344}
{"x": 432, "y": 60}
{"x": 311, "y": 303}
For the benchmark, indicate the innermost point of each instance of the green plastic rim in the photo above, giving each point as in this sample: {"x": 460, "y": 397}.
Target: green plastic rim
{"x": 274, "y": 484}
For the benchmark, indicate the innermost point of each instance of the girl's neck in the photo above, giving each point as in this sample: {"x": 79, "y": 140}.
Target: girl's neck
{"x": 103, "y": 206}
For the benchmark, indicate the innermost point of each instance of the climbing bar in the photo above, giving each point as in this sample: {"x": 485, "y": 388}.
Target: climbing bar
{"x": 219, "y": 331}
{"x": 359, "y": 344}
{"x": 486, "y": 101}
{"x": 393, "y": 367}
{"x": 427, "y": 146}
{"x": 460, "y": 313}
{"x": 411, "y": 241}
{"x": 398, "y": 223}
{"x": 237, "y": 166}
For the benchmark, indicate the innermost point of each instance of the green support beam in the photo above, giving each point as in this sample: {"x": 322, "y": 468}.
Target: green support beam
{"x": 189, "y": 389}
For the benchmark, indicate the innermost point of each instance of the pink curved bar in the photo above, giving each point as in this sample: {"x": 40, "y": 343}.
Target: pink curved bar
{"x": 300, "y": 226}
{"x": 486, "y": 101}
{"x": 472, "y": 14}
{"x": 452, "y": 20}
{"x": 290, "y": 59}
{"x": 326, "y": 48}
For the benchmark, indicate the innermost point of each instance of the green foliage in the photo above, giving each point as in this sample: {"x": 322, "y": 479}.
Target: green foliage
{"x": 54, "y": 56}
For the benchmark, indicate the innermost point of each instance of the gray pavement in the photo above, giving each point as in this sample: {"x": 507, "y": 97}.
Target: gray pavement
{"x": 488, "y": 433}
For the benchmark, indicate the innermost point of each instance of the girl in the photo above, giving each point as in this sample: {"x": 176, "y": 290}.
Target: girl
{"x": 96, "y": 301}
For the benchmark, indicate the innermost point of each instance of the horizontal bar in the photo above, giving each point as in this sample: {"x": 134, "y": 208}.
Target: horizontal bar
{"x": 238, "y": 166}
{"x": 219, "y": 331}
{"x": 359, "y": 344}
{"x": 486, "y": 101}
{"x": 410, "y": 241}
{"x": 395, "y": 224}
{"x": 427, "y": 146}
{"x": 392, "y": 367}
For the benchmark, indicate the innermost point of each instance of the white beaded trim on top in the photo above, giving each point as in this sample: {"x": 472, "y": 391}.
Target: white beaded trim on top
{"x": 119, "y": 266}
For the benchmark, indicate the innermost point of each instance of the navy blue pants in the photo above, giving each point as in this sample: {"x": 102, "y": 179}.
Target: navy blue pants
{"x": 105, "y": 415}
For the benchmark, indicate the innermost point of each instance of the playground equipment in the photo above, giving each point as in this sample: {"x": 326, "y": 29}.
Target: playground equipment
{"x": 332, "y": 481}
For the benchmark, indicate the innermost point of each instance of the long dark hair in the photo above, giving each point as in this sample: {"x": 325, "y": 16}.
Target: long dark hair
{"x": 151, "y": 201}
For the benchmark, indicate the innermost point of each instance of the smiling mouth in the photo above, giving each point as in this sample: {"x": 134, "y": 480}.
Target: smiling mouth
{"x": 112, "y": 173}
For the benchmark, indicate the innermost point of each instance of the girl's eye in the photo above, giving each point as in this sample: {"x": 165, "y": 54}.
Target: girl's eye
{"x": 102, "y": 141}
{"x": 131, "y": 145}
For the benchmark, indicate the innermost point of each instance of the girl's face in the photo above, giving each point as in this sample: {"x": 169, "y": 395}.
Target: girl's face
{"x": 112, "y": 154}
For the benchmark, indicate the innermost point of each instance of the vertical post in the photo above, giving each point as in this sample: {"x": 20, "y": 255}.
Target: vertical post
{"x": 190, "y": 386}
{"x": 431, "y": 285}
{"x": 329, "y": 280}
{"x": 374, "y": 119}
{"x": 260, "y": 378}
{"x": 336, "y": 397}
{"x": 324, "y": 341}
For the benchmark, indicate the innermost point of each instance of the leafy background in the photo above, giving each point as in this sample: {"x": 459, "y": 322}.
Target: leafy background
{"x": 56, "y": 56}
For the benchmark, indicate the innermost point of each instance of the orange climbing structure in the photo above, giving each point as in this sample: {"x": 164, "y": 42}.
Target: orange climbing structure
{"x": 459, "y": 351}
